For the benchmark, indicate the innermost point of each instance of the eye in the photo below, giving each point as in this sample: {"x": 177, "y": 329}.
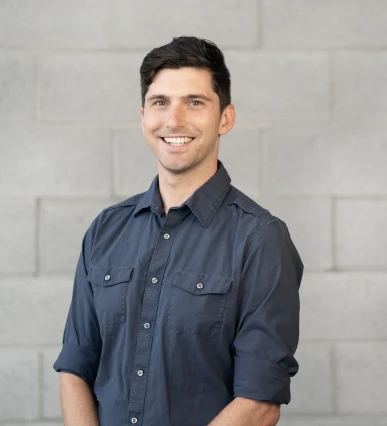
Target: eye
{"x": 197, "y": 103}
{"x": 159, "y": 103}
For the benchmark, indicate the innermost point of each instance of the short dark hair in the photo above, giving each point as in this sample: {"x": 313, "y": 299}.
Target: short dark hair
{"x": 188, "y": 52}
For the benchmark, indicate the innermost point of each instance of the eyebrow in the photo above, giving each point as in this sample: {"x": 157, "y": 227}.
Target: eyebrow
{"x": 187, "y": 97}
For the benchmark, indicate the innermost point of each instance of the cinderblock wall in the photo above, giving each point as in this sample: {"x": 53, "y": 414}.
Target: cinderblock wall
{"x": 310, "y": 144}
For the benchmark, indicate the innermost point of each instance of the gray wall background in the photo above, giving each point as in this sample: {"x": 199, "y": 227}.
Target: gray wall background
{"x": 309, "y": 82}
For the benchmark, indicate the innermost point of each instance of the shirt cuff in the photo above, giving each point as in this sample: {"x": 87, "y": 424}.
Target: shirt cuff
{"x": 261, "y": 379}
{"x": 80, "y": 361}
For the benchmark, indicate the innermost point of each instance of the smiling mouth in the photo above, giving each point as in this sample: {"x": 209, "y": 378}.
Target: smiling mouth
{"x": 177, "y": 141}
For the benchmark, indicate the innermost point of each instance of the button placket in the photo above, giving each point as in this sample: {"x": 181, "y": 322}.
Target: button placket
{"x": 149, "y": 310}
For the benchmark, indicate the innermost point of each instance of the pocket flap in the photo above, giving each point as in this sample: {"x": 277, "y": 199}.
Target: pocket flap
{"x": 109, "y": 275}
{"x": 200, "y": 284}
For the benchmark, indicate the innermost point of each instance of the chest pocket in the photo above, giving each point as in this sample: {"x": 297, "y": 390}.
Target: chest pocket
{"x": 110, "y": 287}
{"x": 197, "y": 303}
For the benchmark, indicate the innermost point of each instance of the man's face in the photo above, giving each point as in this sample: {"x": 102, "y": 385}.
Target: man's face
{"x": 181, "y": 119}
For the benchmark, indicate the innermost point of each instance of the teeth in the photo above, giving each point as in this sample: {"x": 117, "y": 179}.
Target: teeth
{"x": 178, "y": 141}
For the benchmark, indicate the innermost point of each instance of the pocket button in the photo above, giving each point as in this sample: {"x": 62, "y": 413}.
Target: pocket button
{"x": 199, "y": 286}
{"x": 107, "y": 277}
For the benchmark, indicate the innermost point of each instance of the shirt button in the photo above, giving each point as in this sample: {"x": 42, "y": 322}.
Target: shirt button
{"x": 107, "y": 277}
{"x": 199, "y": 286}
{"x": 140, "y": 373}
{"x": 155, "y": 280}
{"x": 133, "y": 420}
{"x": 147, "y": 325}
{"x": 166, "y": 236}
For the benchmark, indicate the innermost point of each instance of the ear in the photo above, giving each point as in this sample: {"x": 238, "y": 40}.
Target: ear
{"x": 227, "y": 119}
{"x": 142, "y": 118}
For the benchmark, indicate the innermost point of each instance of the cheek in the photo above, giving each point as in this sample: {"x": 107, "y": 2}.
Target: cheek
{"x": 152, "y": 122}
{"x": 211, "y": 127}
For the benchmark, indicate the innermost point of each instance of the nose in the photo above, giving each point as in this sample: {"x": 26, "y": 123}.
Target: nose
{"x": 176, "y": 117}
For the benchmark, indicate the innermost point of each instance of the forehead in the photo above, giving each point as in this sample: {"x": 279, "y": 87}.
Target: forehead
{"x": 182, "y": 81}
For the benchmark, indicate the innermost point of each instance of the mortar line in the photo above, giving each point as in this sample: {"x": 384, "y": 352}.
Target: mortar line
{"x": 37, "y": 236}
{"x": 113, "y": 163}
{"x": 332, "y": 92}
{"x": 37, "y": 94}
{"x": 261, "y": 160}
{"x": 260, "y": 23}
{"x": 263, "y": 142}
{"x": 332, "y": 355}
{"x": 40, "y": 385}
{"x": 333, "y": 230}
{"x": 226, "y": 48}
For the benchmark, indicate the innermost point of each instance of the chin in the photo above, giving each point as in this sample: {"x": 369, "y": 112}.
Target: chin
{"x": 177, "y": 168}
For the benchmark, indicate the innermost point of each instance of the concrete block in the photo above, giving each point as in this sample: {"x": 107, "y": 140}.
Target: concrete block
{"x": 361, "y": 377}
{"x": 46, "y": 23}
{"x": 360, "y": 86}
{"x": 159, "y": 22}
{"x": 312, "y": 387}
{"x": 18, "y": 100}
{"x": 334, "y": 420}
{"x": 136, "y": 165}
{"x": 239, "y": 152}
{"x": 54, "y": 161}
{"x": 343, "y": 306}
{"x": 17, "y": 236}
{"x": 314, "y": 23}
{"x": 63, "y": 224}
{"x": 19, "y": 392}
{"x": 51, "y": 405}
{"x": 361, "y": 234}
{"x": 279, "y": 86}
{"x": 41, "y": 423}
{"x": 33, "y": 311}
{"x": 325, "y": 162}
{"x": 309, "y": 223}
{"x": 92, "y": 87}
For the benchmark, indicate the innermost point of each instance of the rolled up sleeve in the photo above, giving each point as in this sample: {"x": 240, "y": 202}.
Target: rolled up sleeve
{"x": 81, "y": 349}
{"x": 268, "y": 321}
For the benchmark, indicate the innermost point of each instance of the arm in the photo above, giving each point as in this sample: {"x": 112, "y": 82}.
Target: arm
{"x": 267, "y": 330}
{"x": 247, "y": 412}
{"x": 81, "y": 349}
{"x": 77, "y": 401}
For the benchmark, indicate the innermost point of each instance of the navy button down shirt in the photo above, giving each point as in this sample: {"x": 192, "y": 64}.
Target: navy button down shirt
{"x": 172, "y": 316}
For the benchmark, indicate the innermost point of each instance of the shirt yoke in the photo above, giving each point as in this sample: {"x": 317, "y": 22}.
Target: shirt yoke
{"x": 263, "y": 216}
{"x": 131, "y": 201}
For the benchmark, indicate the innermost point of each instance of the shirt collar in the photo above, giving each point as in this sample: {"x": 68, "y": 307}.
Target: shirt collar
{"x": 203, "y": 202}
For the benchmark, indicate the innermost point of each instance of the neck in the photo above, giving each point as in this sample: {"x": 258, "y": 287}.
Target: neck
{"x": 177, "y": 188}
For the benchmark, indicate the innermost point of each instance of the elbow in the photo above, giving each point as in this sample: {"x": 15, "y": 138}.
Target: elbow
{"x": 270, "y": 417}
{"x": 273, "y": 415}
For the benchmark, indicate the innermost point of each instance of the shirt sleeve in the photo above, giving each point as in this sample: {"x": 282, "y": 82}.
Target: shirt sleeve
{"x": 81, "y": 349}
{"x": 268, "y": 321}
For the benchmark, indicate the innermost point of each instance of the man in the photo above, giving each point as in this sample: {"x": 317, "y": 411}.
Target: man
{"x": 185, "y": 307}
